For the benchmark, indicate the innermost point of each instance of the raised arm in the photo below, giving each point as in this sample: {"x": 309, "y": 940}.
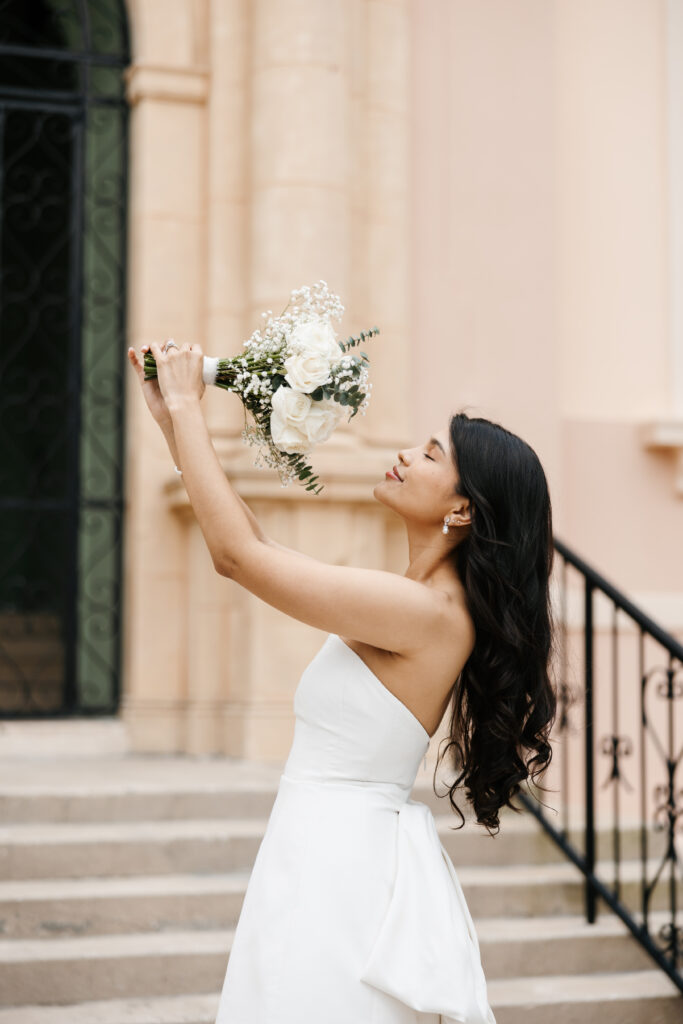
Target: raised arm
{"x": 160, "y": 412}
{"x": 378, "y": 608}
{"x": 169, "y": 433}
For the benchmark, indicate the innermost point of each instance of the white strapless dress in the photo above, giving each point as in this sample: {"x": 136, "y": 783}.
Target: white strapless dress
{"x": 354, "y": 913}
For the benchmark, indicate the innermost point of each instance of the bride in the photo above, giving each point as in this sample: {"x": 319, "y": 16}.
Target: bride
{"x": 467, "y": 629}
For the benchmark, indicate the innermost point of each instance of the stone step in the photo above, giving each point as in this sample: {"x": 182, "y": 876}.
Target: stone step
{"x": 52, "y": 852}
{"x": 638, "y": 997}
{"x": 49, "y": 753}
{"x": 78, "y": 849}
{"x": 644, "y": 1000}
{"x": 513, "y": 947}
{"x": 147, "y": 801}
{"x": 37, "y": 975}
{"x": 151, "y": 791}
{"x": 42, "y": 908}
{"x": 49, "y": 971}
{"x": 46, "y": 971}
{"x": 551, "y": 889}
{"x": 186, "y": 1009}
{"x": 144, "y": 803}
{"x": 107, "y": 783}
{"x": 128, "y": 848}
{"x": 95, "y": 906}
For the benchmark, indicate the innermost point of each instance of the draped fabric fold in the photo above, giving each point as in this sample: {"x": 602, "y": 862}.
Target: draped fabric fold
{"x": 426, "y": 952}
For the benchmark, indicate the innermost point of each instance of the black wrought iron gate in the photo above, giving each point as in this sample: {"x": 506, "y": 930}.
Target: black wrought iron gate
{"x": 63, "y": 183}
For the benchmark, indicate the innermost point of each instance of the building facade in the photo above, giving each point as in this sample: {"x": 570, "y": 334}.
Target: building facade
{"x": 497, "y": 187}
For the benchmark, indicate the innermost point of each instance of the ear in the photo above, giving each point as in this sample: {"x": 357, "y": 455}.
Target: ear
{"x": 461, "y": 516}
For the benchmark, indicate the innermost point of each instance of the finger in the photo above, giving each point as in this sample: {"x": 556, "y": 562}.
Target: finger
{"x": 133, "y": 357}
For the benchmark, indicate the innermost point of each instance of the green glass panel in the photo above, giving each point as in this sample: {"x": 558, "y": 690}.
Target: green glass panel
{"x": 106, "y": 82}
{"x": 107, "y": 27}
{"x": 102, "y": 367}
{"x": 98, "y": 606}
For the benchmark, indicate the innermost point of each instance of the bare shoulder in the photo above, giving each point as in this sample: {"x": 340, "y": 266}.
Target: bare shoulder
{"x": 424, "y": 679}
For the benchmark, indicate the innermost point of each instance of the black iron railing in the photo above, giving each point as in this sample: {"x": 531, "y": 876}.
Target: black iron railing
{"x": 654, "y": 661}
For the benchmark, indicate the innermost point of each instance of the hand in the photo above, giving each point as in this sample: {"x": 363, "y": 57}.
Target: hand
{"x": 150, "y": 388}
{"x": 179, "y": 373}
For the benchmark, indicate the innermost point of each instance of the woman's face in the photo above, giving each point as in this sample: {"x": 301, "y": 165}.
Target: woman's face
{"x": 422, "y": 485}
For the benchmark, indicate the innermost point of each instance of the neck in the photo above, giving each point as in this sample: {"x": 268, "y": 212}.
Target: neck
{"x": 429, "y": 557}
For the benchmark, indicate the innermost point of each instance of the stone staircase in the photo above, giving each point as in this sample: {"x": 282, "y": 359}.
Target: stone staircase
{"x": 122, "y": 878}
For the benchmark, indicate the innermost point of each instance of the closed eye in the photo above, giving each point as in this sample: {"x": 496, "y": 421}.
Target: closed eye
{"x": 428, "y": 457}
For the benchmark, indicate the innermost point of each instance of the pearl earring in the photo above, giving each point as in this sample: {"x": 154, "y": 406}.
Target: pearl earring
{"x": 445, "y": 524}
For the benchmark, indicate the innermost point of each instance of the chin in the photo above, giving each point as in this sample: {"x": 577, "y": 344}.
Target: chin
{"x": 379, "y": 493}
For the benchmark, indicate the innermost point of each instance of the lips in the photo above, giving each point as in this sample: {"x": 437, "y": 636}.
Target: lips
{"x": 393, "y": 473}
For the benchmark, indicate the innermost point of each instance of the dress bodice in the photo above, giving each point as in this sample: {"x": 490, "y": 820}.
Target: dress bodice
{"x": 349, "y": 727}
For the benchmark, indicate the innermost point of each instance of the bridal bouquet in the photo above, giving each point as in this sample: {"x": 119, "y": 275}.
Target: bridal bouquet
{"x": 295, "y": 378}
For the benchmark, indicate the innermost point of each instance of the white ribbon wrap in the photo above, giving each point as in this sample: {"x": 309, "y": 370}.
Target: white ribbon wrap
{"x": 209, "y": 369}
{"x": 426, "y": 952}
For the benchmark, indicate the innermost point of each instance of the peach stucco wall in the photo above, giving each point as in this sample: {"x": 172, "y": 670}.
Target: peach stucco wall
{"x": 491, "y": 184}
{"x": 541, "y": 213}
{"x": 547, "y": 278}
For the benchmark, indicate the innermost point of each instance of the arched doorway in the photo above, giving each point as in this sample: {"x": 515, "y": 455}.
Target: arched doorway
{"x": 63, "y": 168}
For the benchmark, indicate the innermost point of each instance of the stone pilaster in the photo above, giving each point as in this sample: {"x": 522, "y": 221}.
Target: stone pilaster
{"x": 167, "y": 88}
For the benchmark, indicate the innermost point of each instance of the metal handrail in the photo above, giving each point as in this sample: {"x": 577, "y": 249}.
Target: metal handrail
{"x": 666, "y": 948}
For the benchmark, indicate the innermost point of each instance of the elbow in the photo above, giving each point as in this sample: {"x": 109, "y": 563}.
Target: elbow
{"x": 238, "y": 567}
{"x": 224, "y": 566}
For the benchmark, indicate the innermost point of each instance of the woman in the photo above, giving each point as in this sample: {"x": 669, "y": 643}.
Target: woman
{"x": 354, "y": 911}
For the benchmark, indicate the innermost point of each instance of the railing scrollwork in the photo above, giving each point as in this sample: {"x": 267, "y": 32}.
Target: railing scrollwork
{"x": 638, "y": 848}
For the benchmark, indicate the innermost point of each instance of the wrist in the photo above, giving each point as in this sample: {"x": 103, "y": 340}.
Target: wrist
{"x": 178, "y": 406}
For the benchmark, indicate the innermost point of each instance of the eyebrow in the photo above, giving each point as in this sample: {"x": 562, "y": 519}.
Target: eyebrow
{"x": 433, "y": 440}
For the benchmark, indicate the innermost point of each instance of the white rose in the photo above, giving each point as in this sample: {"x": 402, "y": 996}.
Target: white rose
{"x": 306, "y": 372}
{"x": 313, "y": 350}
{"x": 297, "y": 423}
{"x": 287, "y": 420}
{"x": 322, "y": 418}
{"x": 317, "y": 337}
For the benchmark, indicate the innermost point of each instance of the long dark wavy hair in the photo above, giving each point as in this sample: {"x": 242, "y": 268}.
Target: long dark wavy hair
{"x": 503, "y": 704}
